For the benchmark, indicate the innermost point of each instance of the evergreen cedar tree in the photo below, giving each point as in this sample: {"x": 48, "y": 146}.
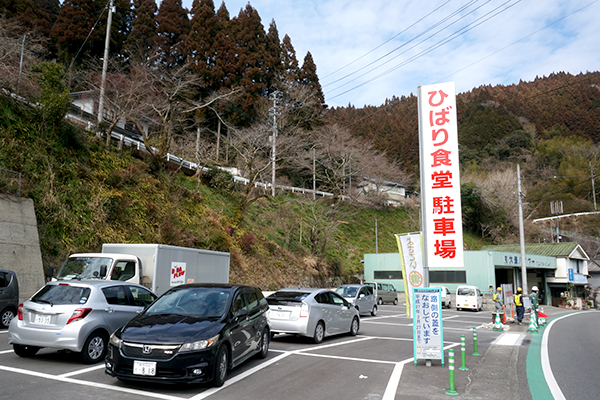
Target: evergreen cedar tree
{"x": 224, "y": 52}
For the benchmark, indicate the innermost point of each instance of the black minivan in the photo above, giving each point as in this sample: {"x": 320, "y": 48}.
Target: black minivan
{"x": 192, "y": 333}
{"x": 9, "y": 297}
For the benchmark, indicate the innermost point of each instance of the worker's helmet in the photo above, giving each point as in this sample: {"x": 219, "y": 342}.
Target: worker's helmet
{"x": 499, "y": 288}
{"x": 519, "y": 290}
{"x": 534, "y": 289}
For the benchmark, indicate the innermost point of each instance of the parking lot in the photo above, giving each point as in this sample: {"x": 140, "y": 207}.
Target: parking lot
{"x": 376, "y": 364}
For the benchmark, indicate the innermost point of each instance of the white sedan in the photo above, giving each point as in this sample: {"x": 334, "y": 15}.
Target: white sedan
{"x": 315, "y": 313}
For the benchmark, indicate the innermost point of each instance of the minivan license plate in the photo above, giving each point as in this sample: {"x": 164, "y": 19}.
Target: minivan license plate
{"x": 144, "y": 368}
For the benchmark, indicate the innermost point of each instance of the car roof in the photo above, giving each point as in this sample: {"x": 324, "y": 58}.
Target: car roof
{"x": 303, "y": 290}
{"x": 92, "y": 282}
{"x": 353, "y": 285}
{"x": 228, "y": 286}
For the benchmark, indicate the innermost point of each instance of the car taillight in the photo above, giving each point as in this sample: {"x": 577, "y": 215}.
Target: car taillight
{"x": 304, "y": 310}
{"x": 20, "y": 312}
{"x": 78, "y": 314}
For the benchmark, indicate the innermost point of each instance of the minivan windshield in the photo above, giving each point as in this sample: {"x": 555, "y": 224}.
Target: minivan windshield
{"x": 199, "y": 302}
{"x": 83, "y": 267}
{"x": 347, "y": 291}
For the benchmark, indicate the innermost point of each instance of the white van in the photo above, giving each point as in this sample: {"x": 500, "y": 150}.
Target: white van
{"x": 469, "y": 297}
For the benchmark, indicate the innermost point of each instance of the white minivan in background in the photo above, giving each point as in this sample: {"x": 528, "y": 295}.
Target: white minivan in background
{"x": 469, "y": 297}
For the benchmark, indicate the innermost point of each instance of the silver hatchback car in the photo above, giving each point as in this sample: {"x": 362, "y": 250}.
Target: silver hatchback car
{"x": 76, "y": 315}
{"x": 315, "y": 313}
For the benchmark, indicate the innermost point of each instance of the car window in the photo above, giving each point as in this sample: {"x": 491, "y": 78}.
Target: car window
{"x": 366, "y": 290}
{"x": 4, "y": 279}
{"x": 392, "y": 288}
{"x": 322, "y": 298}
{"x": 62, "y": 294}
{"x": 115, "y": 295}
{"x": 122, "y": 271}
{"x": 141, "y": 296}
{"x": 251, "y": 300}
{"x": 238, "y": 303}
{"x": 384, "y": 287}
{"x": 337, "y": 300}
{"x": 379, "y": 286}
{"x": 261, "y": 298}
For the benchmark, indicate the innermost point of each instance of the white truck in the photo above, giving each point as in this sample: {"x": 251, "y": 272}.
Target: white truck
{"x": 156, "y": 266}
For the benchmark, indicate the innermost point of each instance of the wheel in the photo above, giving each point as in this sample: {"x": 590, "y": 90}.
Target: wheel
{"x": 24, "y": 350}
{"x": 6, "y": 316}
{"x": 354, "y": 326}
{"x": 380, "y": 301}
{"x": 264, "y": 344}
{"x": 374, "y": 311}
{"x": 319, "y": 333}
{"x": 221, "y": 366}
{"x": 94, "y": 348}
{"x": 395, "y": 302}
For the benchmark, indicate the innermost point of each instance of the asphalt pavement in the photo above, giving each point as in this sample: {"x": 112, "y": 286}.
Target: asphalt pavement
{"x": 498, "y": 372}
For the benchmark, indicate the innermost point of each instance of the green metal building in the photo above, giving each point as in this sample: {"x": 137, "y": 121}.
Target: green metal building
{"x": 559, "y": 270}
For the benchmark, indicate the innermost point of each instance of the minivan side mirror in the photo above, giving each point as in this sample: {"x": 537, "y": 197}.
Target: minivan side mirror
{"x": 103, "y": 271}
{"x": 242, "y": 313}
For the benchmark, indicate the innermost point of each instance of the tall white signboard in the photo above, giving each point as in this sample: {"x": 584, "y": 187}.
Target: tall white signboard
{"x": 440, "y": 179}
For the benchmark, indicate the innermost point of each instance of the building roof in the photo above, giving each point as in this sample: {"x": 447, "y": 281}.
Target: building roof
{"x": 564, "y": 249}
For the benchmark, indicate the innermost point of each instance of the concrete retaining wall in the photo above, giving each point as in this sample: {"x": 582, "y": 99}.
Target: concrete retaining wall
{"x": 20, "y": 244}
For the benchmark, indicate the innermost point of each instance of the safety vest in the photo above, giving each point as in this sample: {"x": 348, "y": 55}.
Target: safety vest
{"x": 495, "y": 296}
{"x": 518, "y": 300}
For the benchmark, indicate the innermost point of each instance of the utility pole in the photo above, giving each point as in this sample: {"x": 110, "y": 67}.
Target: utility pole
{"x": 105, "y": 63}
{"x": 314, "y": 174}
{"x": 21, "y": 62}
{"x": 521, "y": 233}
{"x": 556, "y": 208}
{"x": 376, "y": 241}
{"x": 273, "y": 113}
{"x": 592, "y": 173}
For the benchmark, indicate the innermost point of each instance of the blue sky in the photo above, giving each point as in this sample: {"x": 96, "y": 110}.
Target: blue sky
{"x": 493, "y": 42}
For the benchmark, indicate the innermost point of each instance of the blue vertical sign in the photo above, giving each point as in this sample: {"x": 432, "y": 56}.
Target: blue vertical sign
{"x": 571, "y": 275}
{"x": 428, "y": 332}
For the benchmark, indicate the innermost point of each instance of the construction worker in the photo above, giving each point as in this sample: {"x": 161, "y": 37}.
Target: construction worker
{"x": 534, "y": 304}
{"x": 519, "y": 305}
{"x": 498, "y": 300}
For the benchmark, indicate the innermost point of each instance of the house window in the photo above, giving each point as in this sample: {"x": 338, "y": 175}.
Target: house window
{"x": 387, "y": 274}
{"x": 448, "y": 276}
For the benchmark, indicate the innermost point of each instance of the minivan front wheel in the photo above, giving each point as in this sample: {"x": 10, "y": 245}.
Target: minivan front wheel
{"x": 221, "y": 366}
{"x": 395, "y": 302}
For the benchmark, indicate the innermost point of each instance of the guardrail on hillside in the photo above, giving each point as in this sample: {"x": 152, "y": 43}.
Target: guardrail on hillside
{"x": 10, "y": 182}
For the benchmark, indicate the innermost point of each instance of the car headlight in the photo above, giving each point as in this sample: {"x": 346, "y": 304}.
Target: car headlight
{"x": 198, "y": 345}
{"x": 115, "y": 341}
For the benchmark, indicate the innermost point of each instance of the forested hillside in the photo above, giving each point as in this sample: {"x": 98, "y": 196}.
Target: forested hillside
{"x": 226, "y": 92}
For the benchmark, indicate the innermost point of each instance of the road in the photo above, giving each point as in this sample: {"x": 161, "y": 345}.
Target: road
{"x": 573, "y": 350}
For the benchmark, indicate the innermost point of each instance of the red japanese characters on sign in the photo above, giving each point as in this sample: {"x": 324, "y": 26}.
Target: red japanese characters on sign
{"x": 440, "y": 179}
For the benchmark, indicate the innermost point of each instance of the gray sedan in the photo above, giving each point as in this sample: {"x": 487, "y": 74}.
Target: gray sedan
{"x": 315, "y": 313}
{"x": 76, "y": 315}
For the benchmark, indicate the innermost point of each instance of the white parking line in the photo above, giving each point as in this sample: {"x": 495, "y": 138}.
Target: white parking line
{"x": 389, "y": 393}
{"x": 239, "y": 377}
{"x": 92, "y": 384}
{"x": 6, "y": 351}
{"x": 81, "y": 371}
